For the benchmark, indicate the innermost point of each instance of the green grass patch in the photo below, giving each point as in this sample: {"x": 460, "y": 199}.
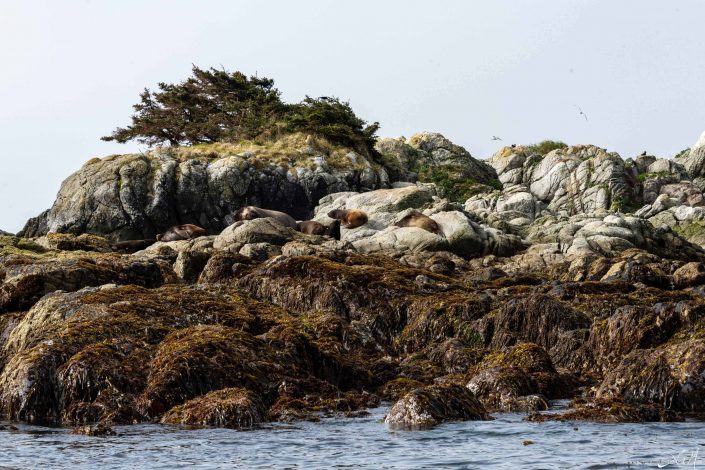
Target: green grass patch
{"x": 647, "y": 176}
{"x": 545, "y": 146}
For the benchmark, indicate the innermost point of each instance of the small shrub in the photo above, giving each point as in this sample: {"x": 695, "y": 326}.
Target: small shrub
{"x": 545, "y": 146}
{"x": 683, "y": 153}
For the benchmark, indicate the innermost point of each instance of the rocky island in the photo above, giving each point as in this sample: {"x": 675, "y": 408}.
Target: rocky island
{"x": 564, "y": 272}
{"x": 267, "y": 262}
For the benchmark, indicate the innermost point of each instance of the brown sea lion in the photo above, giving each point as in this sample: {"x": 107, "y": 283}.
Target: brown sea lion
{"x": 131, "y": 246}
{"x": 311, "y": 227}
{"x": 351, "y": 218}
{"x": 181, "y": 232}
{"x": 253, "y": 212}
{"x": 417, "y": 219}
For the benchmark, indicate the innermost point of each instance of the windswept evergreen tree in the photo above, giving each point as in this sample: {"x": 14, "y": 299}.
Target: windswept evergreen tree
{"x": 212, "y": 105}
{"x": 218, "y": 106}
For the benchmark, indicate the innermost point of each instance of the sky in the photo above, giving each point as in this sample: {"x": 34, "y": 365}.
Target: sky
{"x": 70, "y": 72}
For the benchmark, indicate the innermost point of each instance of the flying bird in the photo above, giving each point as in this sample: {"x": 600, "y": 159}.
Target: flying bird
{"x": 581, "y": 112}
{"x": 494, "y": 137}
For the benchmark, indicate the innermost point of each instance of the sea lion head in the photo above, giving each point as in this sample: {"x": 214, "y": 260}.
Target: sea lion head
{"x": 247, "y": 213}
{"x": 337, "y": 214}
{"x": 159, "y": 237}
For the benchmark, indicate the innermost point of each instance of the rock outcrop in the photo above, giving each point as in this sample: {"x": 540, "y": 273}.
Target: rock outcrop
{"x": 583, "y": 278}
{"x": 137, "y": 196}
{"x": 429, "y": 157}
{"x": 460, "y": 233}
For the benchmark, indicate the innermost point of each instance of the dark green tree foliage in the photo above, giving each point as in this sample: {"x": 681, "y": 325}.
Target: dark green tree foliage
{"x": 333, "y": 119}
{"x": 212, "y": 105}
{"x": 218, "y": 106}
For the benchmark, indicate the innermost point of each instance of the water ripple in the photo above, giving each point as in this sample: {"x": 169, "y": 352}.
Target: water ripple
{"x": 366, "y": 443}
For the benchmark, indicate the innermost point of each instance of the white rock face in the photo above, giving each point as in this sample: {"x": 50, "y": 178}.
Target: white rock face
{"x": 607, "y": 234}
{"x": 700, "y": 142}
{"x": 572, "y": 180}
{"x": 385, "y": 207}
{"x": 694, "y": 161}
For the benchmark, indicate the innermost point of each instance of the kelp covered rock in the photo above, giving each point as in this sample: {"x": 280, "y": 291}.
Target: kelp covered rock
{"x": 24, "y": 279}
{"x": 429, "y": 406}
{"x": 519, "y": 378}
{"x": 87, "y": 355}
{"x": 235, "y": 408}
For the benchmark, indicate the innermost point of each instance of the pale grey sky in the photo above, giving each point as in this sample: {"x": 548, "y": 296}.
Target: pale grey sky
{"x": 469, "y": 69}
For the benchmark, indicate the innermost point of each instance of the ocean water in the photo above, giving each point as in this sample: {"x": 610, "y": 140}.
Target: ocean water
{"x": 365, "y": 443}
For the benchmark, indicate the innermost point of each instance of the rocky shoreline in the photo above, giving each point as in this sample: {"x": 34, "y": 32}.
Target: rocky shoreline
{"x": 571, "y": 274}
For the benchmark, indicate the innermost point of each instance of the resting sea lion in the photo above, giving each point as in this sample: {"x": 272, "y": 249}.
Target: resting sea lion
{"x": 181, "y": 232}
{"x": 311, "y": 227}
{"x": 351, "y": 218}
{"x": 252, "y": 212}
{"x": 417, "y": 219}
{"x": 131, "y": 246}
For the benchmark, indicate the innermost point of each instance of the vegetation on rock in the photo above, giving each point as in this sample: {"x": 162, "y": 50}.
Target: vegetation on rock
{"x": 544, "y": 147}
{"x": 220, "y": 106}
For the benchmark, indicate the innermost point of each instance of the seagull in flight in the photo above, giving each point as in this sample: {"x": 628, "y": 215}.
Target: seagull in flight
{"x": 581, "y": 112}
{"x": 494, "y": 137}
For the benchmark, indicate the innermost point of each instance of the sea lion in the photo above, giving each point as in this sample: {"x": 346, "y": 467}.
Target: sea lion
{"x": 131, "y": 246}
{"x": 351, "y": 218}
{"x": 311, "y": 227}
{"x": 253, "y": 212}
{"x": 417, "y": 219}
{"x": 181, "y": 232}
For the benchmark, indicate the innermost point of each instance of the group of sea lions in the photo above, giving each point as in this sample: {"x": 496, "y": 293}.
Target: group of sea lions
{"x": 309, "y": 227}
{"x": 346, "y": 218}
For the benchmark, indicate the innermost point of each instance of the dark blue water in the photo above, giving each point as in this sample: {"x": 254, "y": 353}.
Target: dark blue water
{"x": 365, "y": 443}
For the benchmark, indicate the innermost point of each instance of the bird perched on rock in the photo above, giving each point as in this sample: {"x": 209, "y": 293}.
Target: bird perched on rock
{"x": 643, "y": 154}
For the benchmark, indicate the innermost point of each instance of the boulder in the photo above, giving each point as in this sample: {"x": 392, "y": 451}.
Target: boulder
{"x": 235, "y": 408}
{"x": 689, "y": 275}
{"x": 429, "y": 406}
{"x": 257, "y": 231}
{"x": 506, "y": 375}
{"x": 686, "y": 221}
